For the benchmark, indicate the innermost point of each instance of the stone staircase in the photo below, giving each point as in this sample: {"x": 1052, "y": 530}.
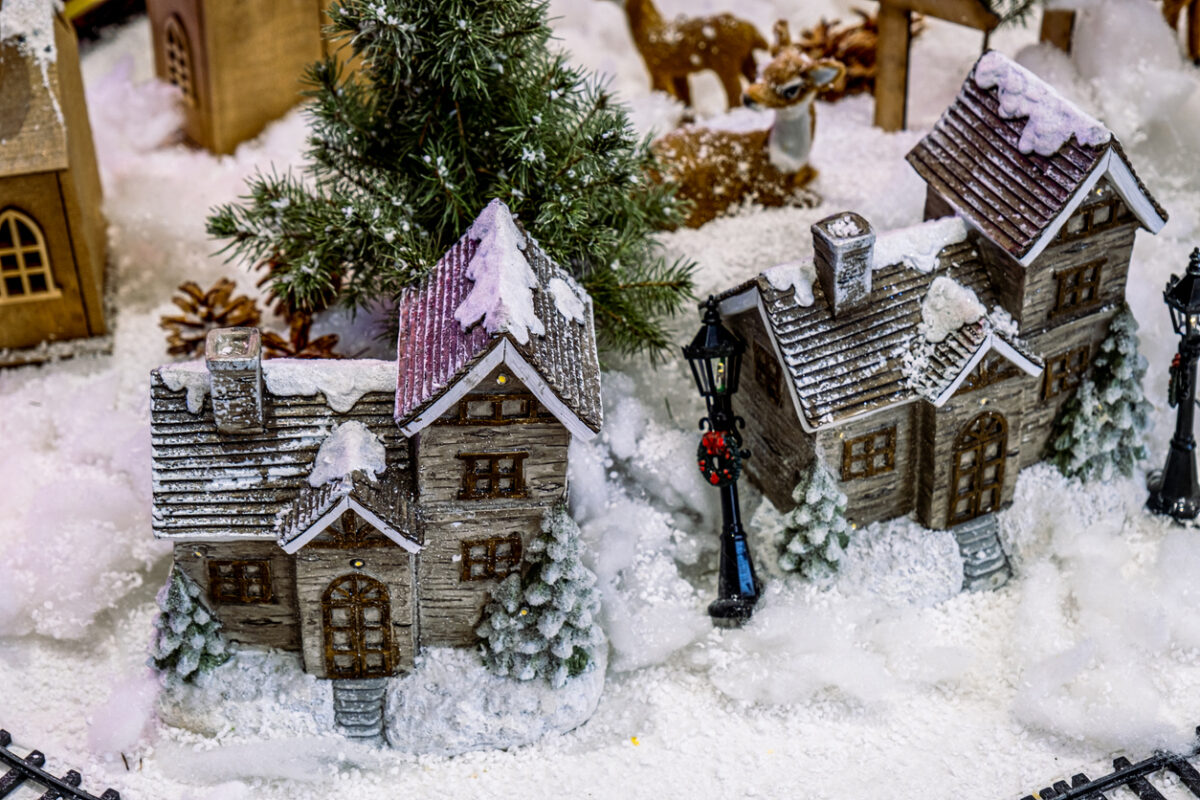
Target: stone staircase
{"x": 985, "y": 565}
{"x": 358, "y": 707}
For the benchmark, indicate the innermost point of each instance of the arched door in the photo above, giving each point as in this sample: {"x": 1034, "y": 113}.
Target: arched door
{"x": 177, "y": 58}
{"x": 358, "y": 628}
{"x": 977, "y": 478}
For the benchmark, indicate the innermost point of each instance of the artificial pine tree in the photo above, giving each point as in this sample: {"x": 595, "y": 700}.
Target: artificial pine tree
{"x": 458, "y": 102}
{"x": 187, "y": 637}
{"x": 816, "y": 532}
{"x": 1098, "y": 432}
{"x": 543, "y": 623}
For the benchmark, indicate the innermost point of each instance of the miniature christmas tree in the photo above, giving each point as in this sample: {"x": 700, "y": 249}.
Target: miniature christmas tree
{"x": 542, "y": 623}
{"x": 187, "y": 637}
{"x": 456, "y": 104}
{"x": 1098, "y": 432}
{"x": 816, "y": 532}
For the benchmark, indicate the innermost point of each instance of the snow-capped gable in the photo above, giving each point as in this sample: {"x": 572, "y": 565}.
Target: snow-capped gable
{"x": 1015, "y": 160}
{"x": 31, "y": 22}
{"x": 540, "y": 327}
{"x": 33, "y": 133}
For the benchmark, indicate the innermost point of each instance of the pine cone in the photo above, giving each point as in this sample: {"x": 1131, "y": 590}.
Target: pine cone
{"x": 298, "y": 344}
{"x": 203, "y": 311}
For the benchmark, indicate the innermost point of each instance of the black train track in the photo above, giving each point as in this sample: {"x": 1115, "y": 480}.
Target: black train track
{"x": 27, "y": 771}
{"x": 1133, "y": 777}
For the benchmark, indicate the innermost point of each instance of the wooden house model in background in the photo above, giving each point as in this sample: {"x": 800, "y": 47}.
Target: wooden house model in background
{"x": 356, "y": 511}
{"x": 238, "y": 64}
{"x": 52, "y": 233}
{"x": 926, "y": 366}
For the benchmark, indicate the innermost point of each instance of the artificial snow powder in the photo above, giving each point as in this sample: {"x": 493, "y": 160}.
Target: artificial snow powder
{"x": 917, "y": 247}
{"x": 33, "y": 22}
{"x": 947, "y": 307}
{"x": 566, "y": 300}
{"x": 350, "y": 447}
{"x": 794, "y": 274}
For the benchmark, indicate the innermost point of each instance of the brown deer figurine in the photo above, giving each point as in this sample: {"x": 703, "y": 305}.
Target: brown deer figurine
{"x": 673, "y": 50}
{"x": 717, "y": 169}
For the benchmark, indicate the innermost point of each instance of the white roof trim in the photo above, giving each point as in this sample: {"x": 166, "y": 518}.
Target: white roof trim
{"x": 504, "y": 352}
{"x": 348, "y": 502}
{"x": 740, "y": 302}
{"x": 791, "y": 383}
{"x": 989, "y": 343}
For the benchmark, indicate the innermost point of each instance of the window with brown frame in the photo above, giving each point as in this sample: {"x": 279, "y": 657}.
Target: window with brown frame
{"x": 1095, "y": 218}
{"x": 767, "y": 373}
{"x": 496, "y": 557}
{"x": 872, "y": 454}
{"x": 497, "y": 409}
{"x": 1064, "y": 371}
{"x": 992, "y": 369}
{"x": 177, "y": 53}
{"x": 1078, "y": 287}
{"x": 490, "y": 475}
{"x": 240, "y": 582}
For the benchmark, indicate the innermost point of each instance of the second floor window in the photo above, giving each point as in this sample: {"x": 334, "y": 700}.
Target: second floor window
{"x": 1064, "y": 371}
{"x": 485, "y": 559}
{"x": 872, "y": 454}
{"x": 1078, "y": 287}
{"x": 492, "y": 475}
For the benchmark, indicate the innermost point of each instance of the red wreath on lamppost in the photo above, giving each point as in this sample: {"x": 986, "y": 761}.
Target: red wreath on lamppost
{"x": 719, "y": 458}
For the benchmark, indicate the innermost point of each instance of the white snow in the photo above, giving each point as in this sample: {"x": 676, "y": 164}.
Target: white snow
{"x": 192, "y": 376}
{"x": 1052, "y": 119}
{"x": 798, "y": 275}
{"x": 844, "y": 227}
{"x": 33, "y": 22}
{"x": 504, "y": 282}
{"x": 947, "y": 307}
{"x": 348, "y": 448}
{"x": 917, "y": 246}
{"x": 567, "y": 300}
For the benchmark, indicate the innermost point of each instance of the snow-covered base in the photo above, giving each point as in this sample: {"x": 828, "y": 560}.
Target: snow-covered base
{"x": 256, "y": 694}
{"x": 451, "y": 704}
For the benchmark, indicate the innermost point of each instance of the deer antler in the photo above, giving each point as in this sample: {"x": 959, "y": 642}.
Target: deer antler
{"x": 783, "y": 37}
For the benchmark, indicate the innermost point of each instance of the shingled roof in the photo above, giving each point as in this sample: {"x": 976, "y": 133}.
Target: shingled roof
{"x": 977, "y": 159}
{"x": 843, "y": 368}
{"x": 439, "y": 360}
{"x": 385, "y": 502}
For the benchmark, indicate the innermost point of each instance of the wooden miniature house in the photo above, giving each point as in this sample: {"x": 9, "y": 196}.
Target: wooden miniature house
{"x": 52, "y": 233}
{"x": 238, "y": 65}
{"x": 854, "y": 369}
{"x": 360, "y": 567}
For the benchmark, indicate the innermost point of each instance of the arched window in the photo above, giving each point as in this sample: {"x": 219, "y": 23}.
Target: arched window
{"x": 24, "y": 262}
{"x": 177, "y": 54}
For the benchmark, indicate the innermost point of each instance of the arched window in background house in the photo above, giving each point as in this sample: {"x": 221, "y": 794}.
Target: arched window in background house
{"x": 24, "y": 262}
{"x": 178, "y": 55}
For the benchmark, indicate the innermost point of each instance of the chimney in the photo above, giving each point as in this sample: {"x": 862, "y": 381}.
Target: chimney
{"x": 234, "y": 358}
{"x": 842, "y": 249}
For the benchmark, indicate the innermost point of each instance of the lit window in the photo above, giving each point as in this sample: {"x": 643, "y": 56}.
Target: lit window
{"x": 24, "y": 262}
{"x": 485, "y": 559}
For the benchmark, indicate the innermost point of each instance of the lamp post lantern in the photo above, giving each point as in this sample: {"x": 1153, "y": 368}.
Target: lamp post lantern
{"x": 1175, "y": 491}
{"x": 715, "y": 356}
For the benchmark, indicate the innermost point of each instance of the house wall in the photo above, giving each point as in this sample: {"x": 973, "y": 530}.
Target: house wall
{"x": 273, "y": 624}
{"x": 197, "y": 116}
{"x": 886, "y": 494}
{"x": 317, "y": 568}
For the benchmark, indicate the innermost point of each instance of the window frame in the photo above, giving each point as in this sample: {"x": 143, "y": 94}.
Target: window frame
{"x": 1057, "y": 381}
{"x": 471, "y": 475}
{"x": 868, "y": 456}
{"x": 768, "y": 374}
{"x": 491, "y": 559}
{"x": 10, "y": 218}
{"x": 1119, "y": 214}
{"x": 532, "y": 413}
{"x": 241, "y": 582}
{"x": 1068, "y": 295}
{"x": 179, "y": 64}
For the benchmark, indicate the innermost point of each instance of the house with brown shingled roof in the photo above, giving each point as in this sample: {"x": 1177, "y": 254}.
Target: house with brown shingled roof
{"x": 926, "y": 366}
{"x": 355, "y": 511}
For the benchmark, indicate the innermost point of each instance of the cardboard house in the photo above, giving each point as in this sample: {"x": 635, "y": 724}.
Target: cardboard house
{"x": 238, "y": 65}
{"x": 356, "y": 511}
{"x": 926, "y": 366}
{"x": 52, "y": 233}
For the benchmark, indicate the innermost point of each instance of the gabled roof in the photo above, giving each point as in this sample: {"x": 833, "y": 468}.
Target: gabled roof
{"x": 386, "y": 503}
{"x": 936, "y": 371}
{"x": 33, "y": 133}
{"x": 977, "y": 160}
{"x": 844, "y": 368}
{"x": 439, "y": 360}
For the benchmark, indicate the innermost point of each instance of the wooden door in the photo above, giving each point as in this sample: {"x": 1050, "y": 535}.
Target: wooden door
{"x": 358, "y": 628}
{"x": 977, "y": 477}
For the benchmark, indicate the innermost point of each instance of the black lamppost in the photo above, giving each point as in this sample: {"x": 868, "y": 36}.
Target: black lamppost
{"x": 1175, "y": 491}
{"x": 715, "y": 356}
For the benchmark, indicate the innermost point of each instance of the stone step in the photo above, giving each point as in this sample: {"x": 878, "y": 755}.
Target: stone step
{"x": 358, "y": 707}
{"x": 985, "y": 564}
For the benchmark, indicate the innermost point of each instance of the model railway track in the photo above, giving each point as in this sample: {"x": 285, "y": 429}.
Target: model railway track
{"x": 27, "y": 772}
{"x": 1135, "y": 778}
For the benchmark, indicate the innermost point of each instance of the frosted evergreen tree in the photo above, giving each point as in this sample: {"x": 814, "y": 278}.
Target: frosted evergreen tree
{"x": 458, "y": 102}
{"x": 815, "y": 531}
{"x": 543, "y": 623}
{"x": 1099, "y": 431}
{"x": 187, "y": 637}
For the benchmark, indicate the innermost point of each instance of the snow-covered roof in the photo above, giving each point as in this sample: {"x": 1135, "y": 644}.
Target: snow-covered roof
{"x": 33, "y": 132}
{"x": 496, "y": 298}
{"x": 385, "y": 504}
{"x": 936, "y": 370}
{"x": 31, "y": 23}
{"x": 1015, "y": 159}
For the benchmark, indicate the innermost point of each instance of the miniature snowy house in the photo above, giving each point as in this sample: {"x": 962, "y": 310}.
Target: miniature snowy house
{"x": 358, "y": 510}
{"x": 929, "y": 379}
{"x": 238, "y": 65}
{"x": 52, "y": 234}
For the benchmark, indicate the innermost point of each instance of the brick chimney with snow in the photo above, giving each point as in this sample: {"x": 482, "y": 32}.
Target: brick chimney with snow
{"x": 234, "y": 359}
{"x": 843, "y": 245}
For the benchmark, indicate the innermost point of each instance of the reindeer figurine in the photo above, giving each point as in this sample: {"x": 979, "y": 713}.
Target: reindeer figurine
{"x": 673, "y": 50}
{"x": 717, "y": 169}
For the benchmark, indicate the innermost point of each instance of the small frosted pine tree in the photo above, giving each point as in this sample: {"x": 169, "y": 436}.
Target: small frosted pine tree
{"x": 815, "y": 531}
{"x": 187, "y": 637}
{"x": 543, "y": 623}
{"x": 1099, "y": 431}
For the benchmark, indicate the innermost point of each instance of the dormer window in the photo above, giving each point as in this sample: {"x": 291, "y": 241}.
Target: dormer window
{"x": 497, "y": 409}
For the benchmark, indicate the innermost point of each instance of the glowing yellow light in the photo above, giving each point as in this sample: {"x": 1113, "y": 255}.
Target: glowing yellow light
{"x": 501, "y": 379}
{"x": 357, "y": 563}
{"x": 635, "y": 741}
{"x": 524, "y": 611}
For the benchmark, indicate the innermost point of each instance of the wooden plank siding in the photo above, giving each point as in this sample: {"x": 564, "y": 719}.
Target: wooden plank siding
{"x": 886, "y": 494}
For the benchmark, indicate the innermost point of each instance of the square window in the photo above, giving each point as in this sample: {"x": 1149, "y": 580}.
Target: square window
{"x": 511, "y": 408}
{"x": 14, "y": 286}
{"x": 240, "y": 582}
{"x": 479, "y": 409}
{"x": 500, "y": 556}
{"x": 1101, "y": 214}
{"x": 868, "y": 455}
